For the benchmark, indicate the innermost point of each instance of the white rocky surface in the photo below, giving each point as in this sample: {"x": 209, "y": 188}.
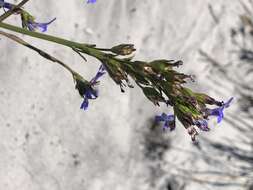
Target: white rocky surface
{"x": 48, "y": 143}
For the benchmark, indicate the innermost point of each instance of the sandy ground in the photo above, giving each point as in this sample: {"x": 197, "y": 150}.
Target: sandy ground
{"x": 48, "y": 143}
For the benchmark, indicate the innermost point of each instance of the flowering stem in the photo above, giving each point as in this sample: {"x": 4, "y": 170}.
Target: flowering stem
{"x": 86, "y": 48}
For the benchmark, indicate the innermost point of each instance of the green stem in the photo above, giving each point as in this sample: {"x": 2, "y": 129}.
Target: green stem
{"x": 84, "y": 47}
{"x": 39, "y": 51}
{"x": 102, "y": 49}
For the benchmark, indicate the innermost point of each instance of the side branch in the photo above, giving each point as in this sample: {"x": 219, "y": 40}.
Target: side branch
{"x": 39, "y": 51}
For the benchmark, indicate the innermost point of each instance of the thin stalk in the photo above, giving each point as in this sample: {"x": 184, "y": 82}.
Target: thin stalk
{"x": 41, "y": 52}
{"x": 82, "y": 46}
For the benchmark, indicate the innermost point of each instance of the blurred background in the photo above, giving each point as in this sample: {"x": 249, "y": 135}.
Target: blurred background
{"x": 48, "y": 143}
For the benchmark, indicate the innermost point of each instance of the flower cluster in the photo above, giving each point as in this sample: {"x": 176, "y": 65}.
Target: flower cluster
{"x": 202, "y": 124}
{"x": 28, "y": 21}
{"x": 160, "y": 83}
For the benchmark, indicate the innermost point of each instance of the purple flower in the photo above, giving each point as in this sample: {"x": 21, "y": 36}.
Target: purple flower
{"x": 219, "y": 111}
{"x": 101, "y": 72}
{"x": 32, "y": 26}
{"x": 1, "y": 3}
{"x": 28, "y": 20}
{"x": 91, "y": 1}
{"x": 169, "y": 120}
{"x": 5, "y": 5}
{"x": 91, "y": 93}
{"x": 202, "y": 124}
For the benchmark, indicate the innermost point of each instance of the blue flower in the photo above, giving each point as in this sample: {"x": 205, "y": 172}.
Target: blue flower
{"x": 169, "y": 120}
{"x": 5, "y": 5}
{"x": 101, "y": 72}
{"x": 202, "y": 124}
{"x": 219, "y": 111}
{"x": 91, "y": 93}
{"x": 91, "y": 1}
{"x": 28, "y": 20}
{"x": 32, "y": 25}
{"x": 1, "y": 3}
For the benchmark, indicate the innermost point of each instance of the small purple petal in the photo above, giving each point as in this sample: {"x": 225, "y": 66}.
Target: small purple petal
{"x": 31, "y": 27}
{"x": 220, "y": 117}
{"x": 166, "y": 125}
{"x": 41, "y": 26}
{"x": 219, "y": 111}
{"x": 91, "y": 94}
{"x": 1, "y": 3}
{"x": 101, "y": 72}
{"x": 227, "y": 104}
{"x": 202, "y": 124}
{"x": 164, "y": 116}
{"x": 91, "y": 1}
{"x": 214, "y": 112}
{"x": 85, "y": 104}
{"x": 158, "y": 118}
{"x": 5, "y": 5}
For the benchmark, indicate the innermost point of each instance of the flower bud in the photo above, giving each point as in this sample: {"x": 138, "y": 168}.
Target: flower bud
{"x": 82, "y": 85}
{"x": 123, "y": 49}
{"x": 204, "y": 98}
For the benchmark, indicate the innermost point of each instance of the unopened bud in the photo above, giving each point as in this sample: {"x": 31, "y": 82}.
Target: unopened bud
{"x": 123, "y": 49}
